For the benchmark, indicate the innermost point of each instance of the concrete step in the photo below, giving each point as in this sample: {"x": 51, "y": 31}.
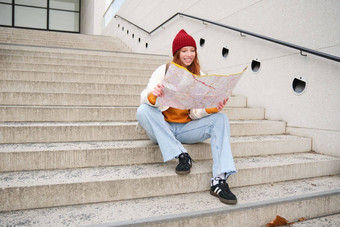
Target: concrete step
{"x": 89, "y": 99}
{"x": 69, "y": 61}
{"x": 257, "y": 205}
{"x": 108, "y": 70}
{"x": 46, "y": 34}
{"x": 75, "y": 77}
{"x": 80, "y": 113}
{"x": 37, "y": 189}
{"x": 81, "y": 45}
{"x": 65, "y": 99}
{"x": 58, "y": 39}
{"x": 328, "y": 220}
{"x": 16, "y": 52}
{"x": 47, "y": 132}
{"x": 50, "y": 38}
{"x": 51, "y": 35}
{"x": 70, "y": 88}
{"x": 23, "y": 157}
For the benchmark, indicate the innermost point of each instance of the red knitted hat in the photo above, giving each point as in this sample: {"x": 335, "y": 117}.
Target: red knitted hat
{"x": 182, "y": 39}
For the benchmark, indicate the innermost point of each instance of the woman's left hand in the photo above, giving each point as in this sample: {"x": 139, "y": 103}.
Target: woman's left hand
{"x": 222, "y": 104}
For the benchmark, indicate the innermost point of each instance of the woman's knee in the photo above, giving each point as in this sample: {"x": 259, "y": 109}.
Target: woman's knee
{"x": 144, "y": 111}
{"x": 140, "y": 110}
{"x": 221, "y": 118}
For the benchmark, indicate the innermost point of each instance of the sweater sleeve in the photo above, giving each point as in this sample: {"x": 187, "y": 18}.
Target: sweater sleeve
{"x": 199, "y": 113}
{"x": 156, "y": 78}
{"x": 211, "y": 110}
{"x": 152, "y": 99}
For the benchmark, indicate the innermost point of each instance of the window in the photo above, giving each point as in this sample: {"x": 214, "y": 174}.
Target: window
{"x": 29, "y": 17}
{"x": 111, "y": 10}
{"x": 64, "y": 20}
{"x": 56, "y": 15}
{"x": 71, "y": 5}
{"x": 5, "y": 14}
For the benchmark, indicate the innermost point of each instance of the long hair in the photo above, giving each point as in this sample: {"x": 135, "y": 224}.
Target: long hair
{"x": 195, "y": 65}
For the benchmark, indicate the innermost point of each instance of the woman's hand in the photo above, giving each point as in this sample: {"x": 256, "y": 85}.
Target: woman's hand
{"x": 158, "y": 90}
{"x": 222, "y": 104}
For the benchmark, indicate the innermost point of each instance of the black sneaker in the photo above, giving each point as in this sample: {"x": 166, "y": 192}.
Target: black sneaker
{"x": 184, "y": 165}
{"x": 222, "y": 191}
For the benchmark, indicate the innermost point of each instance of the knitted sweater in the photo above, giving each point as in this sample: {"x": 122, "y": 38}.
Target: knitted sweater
{"x": 170, "y": 114}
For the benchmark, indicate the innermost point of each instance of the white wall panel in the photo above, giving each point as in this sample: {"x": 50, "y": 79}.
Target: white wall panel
{"x": 310, "y": 23}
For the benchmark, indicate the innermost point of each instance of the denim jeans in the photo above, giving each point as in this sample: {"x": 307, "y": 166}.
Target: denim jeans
{"x": 170, "y": 136}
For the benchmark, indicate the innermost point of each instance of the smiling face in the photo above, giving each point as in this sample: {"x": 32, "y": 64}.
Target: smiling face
{"x": 187, "y": 55}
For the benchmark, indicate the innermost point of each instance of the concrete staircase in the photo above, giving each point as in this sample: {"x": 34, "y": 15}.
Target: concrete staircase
{"x": 70, "y": 154}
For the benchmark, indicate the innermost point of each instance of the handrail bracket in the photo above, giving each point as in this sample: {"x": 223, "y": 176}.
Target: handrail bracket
{"x": 302, "y": 54}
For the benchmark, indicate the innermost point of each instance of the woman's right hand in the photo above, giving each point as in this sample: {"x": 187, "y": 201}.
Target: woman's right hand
{"x": 158, "y": 90}
{"x": 222, "y": 104}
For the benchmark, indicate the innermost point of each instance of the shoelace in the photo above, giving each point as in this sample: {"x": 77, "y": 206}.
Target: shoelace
{"x": 224, "y": 185}
{"x": 185, "y": 158}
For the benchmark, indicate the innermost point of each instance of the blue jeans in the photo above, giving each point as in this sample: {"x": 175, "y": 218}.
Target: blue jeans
{"x": 170, "y": 136}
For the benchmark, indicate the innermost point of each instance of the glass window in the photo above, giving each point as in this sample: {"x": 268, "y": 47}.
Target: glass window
{"x": 72, "y": 5}
{"x": 64, "y": 14}
{"x": 30, "y": 17}
{"x": 108, "y": 16}
{"x": 64, "y": 21}
{"x": 38, "y": 3}
{"x": 6, "y": 14}
{"x": 107, "y": 3}
{"x": 111, "y": 12}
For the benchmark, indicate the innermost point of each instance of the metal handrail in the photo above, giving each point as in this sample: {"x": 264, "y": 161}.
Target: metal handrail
{"x": 300, "y": 48}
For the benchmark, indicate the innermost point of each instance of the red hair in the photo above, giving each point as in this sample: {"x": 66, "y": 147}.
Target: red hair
{"x": 195, "y": 67}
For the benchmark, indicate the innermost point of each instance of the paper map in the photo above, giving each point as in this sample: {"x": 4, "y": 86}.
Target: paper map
{"x": 184, "y": 90}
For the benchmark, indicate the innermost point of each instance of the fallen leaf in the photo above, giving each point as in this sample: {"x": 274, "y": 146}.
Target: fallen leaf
{"x": 278, "y": 221}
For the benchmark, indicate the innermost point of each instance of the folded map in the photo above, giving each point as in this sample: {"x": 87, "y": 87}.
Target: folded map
{"x": 185, "y": 90}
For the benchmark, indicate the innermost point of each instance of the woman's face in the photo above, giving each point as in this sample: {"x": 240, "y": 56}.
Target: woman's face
{"x": 187, "y": 55}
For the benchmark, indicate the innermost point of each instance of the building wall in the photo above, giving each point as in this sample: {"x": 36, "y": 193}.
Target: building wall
{"x": 310, "y": 23}
{"x": 92, "y": 17}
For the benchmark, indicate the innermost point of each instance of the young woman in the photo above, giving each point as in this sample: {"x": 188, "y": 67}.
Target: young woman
{"x": 170, "y": 127}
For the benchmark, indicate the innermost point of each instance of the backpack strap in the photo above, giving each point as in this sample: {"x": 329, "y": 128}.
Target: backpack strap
{"x": 167, "y": 67}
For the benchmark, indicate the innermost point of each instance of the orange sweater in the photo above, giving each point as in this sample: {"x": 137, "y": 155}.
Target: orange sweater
{"x": 177, "y": 115}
